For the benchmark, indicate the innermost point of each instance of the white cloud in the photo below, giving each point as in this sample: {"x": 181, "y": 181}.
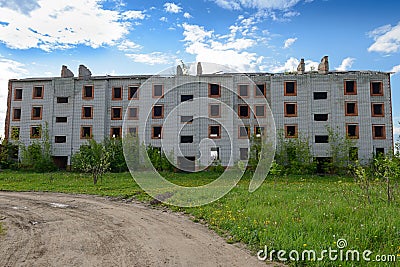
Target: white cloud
{"x": 288, "y": 42}
{"x": 396, "y": 69}
{"x": 387, "y": 39}
{"x": 64, "y": 24}
{"x": 346, "y": 64}
{"x": 128, "y": 45}
{"x": 291, "y": 66}
{"x": 9, "y": 69}
{"x": 187, "y": 15}
{"x": 172, "y": 8}
{"x": 164, "y": 19}
{"x": 256, "y": 4}
{"x": 208, "y": 47}
{"x": 153, "y": 58}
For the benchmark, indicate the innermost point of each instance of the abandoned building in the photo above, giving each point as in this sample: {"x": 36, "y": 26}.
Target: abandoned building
{"x": 355, "y": 103}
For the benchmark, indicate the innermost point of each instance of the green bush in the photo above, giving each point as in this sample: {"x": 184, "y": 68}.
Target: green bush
{"x": 117, "y": 159}
{"x": 8, "y": 155}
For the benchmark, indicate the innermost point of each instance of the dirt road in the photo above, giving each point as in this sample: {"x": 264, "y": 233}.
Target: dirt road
{"x": 47, "y": 229}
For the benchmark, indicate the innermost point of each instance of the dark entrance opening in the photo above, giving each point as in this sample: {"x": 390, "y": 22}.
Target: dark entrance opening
{"x": 187, "y": 164}
{"x": 61, "y": 162}
{"x": 323, "y": 164}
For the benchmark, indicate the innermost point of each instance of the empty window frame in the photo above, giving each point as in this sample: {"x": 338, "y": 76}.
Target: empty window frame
{"x": 259, "y": 111}
{"x": 133, "y": 113}
{"x": 259, "y": 131}
{"x": 16, "y": 114}
{"x": 156, "y": 132}
{"x": 186, "y": 98}
{"x": 214, "y": 153}
{"x": 243, "y": 90}
{"x": 214, "y": 131}
{"x": 351, "y": 108}
{"x": 378, "y": 132}
{"x": 186, "y": 119}
{"x": 321, "y": 117}
{"x": 61, "y": 119}
{"x": 116, "y": 113}
{"x": 88, "y": 92}
{"x": 186, "y": 139}
{"x": 36, "y": 131}
{"x": 244, "y": 153}
{"x": 290, "y": 88}
{"x": 36, "y": 113}
{"x": 133, "y": 92}
{"x": 158, "y": 112}
{"x": 60, "y": 139}
{"x": 321, "y": 139}
{"x": 291, "y": 131}
{"x": 15, "y": 133}
{"x": 115, "y": 132}
{"x": 158, "y": 90}
{"x": 244, "y": 132}
{"x": 378, "y": 110}
{"x": 320, "y": 95}
{"x": 87, "y": 112}
{"x": 244, "y": 111}
{"x": 214, "y": 90}
{"x": 38, "y": 92}
{"x": 133, "y": 131}
{"x": 290, "y": 109}
{"x": 379, "y": 151}
{"x": 18, "y": 94}
{"x": 352, "y": 131}
{"x": 350, "y": 87}
{"x": 62, "y": 100}
{"x": 260, "y": 90}
{"x": 353, "y": 153}
{"x": 376, "y": 88}
{"x": 214, "y": 110}
{"x": 86, "y": 132}
{"x": 117, "y": 93}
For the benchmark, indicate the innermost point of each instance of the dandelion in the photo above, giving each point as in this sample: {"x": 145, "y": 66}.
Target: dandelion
{"x": 304, "y": 245}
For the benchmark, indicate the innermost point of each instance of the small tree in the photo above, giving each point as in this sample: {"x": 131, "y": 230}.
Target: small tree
{"x": 92, "y": 158}
{"x": 117, "y": 159}
{"x": 8, "y": 154}
{"x": 340, "y": 150}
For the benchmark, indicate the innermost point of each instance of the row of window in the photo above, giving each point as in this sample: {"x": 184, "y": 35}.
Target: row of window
{"x": 351, "y": 109}
{"x": 352, "y": 132}
{"x": 350, "y": 88}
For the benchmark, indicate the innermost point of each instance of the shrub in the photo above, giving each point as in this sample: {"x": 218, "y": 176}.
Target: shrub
{"x": 8, "y": 155}
{"x": 117, "y": 159}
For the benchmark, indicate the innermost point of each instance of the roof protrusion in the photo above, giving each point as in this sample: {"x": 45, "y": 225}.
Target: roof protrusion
{"x": 199, "y": 69}
{"x": 179, "y": 71}
{"x": 84, "y": 72}
{"x": 323, "y": 67}
{"x": 65, "y": 72}
{"x": 302, "y": 67}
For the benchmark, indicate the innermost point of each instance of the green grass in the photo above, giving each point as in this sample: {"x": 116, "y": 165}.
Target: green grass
{"x": 291, "y": 213}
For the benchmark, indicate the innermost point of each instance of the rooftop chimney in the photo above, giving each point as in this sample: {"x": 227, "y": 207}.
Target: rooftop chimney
{"x": 84, "y": 73}
{"x": 65, "y": 72}
{"x": 302, "y": 67}
{"x": 323, "y": 67}
{"x": 199, "y": 69}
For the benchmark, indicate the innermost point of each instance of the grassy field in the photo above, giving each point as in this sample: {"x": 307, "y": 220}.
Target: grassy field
{"x": 285, "y": 213}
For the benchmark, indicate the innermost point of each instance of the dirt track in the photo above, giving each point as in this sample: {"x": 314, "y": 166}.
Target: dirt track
{"x": 46, "y": 229}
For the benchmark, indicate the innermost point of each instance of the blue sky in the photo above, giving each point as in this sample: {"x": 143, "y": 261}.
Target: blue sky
{"x": 118, "y": 37}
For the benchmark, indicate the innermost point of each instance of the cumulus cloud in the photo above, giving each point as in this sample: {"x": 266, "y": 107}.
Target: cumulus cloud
{"x": 21, "y": 6}
{"x": 127, "y": 45}
{"x": 395, "y": 69}
{"x": 346, "y": 64}
{"x": 225, "y": 50}
{"x": 256, "y": 4}
{"x": 172, "y": 8}
{"x": 387, "y": 39}
{"x": 187, "y": 15}
{"x": 291, "y": 66}
{"x": 63, "y": 24}
{"x": 289, "y": 42}
{"x": 153, "y": 58}
{"x": 9, "y": 69}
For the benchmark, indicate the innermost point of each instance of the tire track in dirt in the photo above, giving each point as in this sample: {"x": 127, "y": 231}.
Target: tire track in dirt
{"x": 51, "y": 229}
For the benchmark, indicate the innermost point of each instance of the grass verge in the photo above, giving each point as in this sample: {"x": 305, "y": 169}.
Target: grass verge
{"x": 285, "y": 213}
